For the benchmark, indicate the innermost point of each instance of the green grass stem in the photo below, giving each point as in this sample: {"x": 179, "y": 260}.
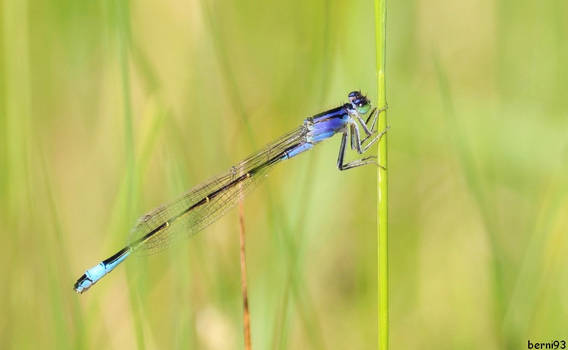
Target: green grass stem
{"x": 382, "y": 185}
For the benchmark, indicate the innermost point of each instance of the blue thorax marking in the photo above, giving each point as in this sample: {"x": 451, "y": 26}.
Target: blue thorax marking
{"x": 320, "y": 127}
{"x": 327, "y": 124}
{"x": 337, "y": 112}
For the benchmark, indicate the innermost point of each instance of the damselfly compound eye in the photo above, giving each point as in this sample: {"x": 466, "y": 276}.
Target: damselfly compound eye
{"x": 363, "y": 109}
{"x": 362, "y": 104}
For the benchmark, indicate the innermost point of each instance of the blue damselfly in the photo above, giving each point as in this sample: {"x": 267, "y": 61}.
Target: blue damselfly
{"x": 204, "y": 204}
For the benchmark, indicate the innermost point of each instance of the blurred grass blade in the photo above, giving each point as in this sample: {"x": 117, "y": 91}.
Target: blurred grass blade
{"x": 124, "y": 43}
{"x": 382, "y": 178}
{"x": 478, "y": 190}
{"x": 280, "y": 224}
{"x": 76, "y": 334}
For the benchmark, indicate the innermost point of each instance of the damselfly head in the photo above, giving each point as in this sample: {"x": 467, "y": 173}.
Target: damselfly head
{"x": 359, "y": 102}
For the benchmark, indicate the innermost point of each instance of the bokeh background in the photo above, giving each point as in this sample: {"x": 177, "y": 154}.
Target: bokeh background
{"x": 110, "y": 108}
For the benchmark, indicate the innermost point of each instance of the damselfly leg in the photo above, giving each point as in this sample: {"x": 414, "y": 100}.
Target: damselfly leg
{"x": 374, "y": 116}
{"x": 358, "y": 145}
{"x": 341, "y": 165}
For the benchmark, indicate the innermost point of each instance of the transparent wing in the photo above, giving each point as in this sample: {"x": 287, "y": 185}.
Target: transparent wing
{"x": 204, "y": 204}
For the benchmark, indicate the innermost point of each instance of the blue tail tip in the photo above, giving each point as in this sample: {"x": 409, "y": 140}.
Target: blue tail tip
{"x": 82, "y": 284}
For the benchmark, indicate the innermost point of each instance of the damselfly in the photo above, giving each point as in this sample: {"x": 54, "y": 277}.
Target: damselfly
{"x": 204, "y": 204}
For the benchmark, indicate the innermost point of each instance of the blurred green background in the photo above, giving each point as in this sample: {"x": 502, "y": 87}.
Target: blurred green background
{"x": 110, "y": 108}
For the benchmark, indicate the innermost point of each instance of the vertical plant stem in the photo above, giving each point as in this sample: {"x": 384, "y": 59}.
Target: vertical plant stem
{"x": 382, "y": 186}
{"x": 246, "y": 315}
